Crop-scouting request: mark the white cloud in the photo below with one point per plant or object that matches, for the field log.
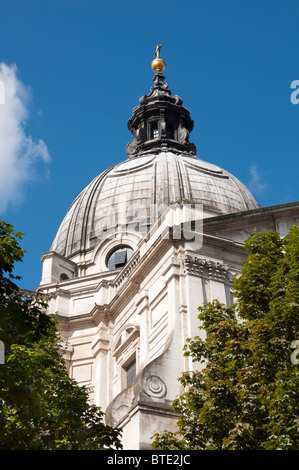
(19, 153)
(256, 183)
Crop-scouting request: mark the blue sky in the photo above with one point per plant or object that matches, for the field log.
(75, 70)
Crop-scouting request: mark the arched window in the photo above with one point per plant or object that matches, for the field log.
(118, 257)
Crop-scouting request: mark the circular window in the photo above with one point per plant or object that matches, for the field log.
(119, 257)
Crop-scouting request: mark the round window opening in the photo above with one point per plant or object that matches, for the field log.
(119, 257)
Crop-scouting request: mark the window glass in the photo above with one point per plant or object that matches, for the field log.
(131, 372)
(119, 257)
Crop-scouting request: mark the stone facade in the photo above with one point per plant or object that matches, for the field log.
(144, 313)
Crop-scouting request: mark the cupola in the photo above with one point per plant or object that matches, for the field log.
(160, 121)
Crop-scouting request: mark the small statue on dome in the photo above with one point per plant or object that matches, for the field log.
(157, 53)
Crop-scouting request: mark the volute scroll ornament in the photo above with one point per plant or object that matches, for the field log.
(154, 387)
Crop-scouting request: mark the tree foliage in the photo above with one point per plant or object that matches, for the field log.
(245, 395)
(41, 407)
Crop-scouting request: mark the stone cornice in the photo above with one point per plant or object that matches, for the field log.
(51, 254)
(260, 213)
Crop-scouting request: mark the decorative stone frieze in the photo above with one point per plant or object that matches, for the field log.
(205, 268)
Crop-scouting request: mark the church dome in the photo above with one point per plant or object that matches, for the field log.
(161, 178)
(162, 169)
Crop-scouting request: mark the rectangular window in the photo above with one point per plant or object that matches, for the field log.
(131, 372)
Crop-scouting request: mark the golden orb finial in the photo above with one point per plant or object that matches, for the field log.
(158, 63)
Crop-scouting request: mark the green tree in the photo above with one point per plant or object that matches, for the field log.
(41, 407)
(245, 395)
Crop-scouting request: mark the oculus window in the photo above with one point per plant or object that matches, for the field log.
(119, 257)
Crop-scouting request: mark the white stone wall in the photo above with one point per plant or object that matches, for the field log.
(146, 311)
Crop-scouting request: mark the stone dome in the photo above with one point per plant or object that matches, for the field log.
(161, 178)
(162, 169)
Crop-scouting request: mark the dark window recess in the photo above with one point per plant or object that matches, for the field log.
(119, 257)
(169, 132)
(131, 372)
